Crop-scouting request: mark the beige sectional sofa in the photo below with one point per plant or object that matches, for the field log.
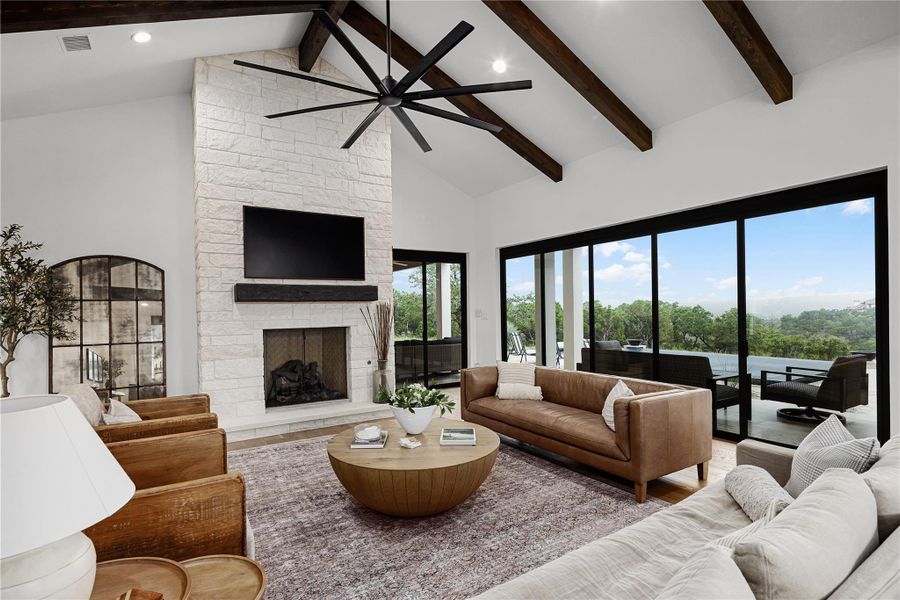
(638, 561)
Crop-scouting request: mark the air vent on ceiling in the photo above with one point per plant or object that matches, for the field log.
(75, 43)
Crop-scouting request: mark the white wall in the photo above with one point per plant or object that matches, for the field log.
(843, 120)
(108, 180)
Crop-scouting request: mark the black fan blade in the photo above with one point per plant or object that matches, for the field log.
(344, 41)
(304, 77)
(446, 114)
(482, 88)
(411, 128)
(318, 108)
(437, 53)
(363, 126)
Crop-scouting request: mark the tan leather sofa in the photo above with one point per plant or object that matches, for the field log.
(663, 428)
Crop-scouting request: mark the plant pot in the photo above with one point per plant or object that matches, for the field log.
(414, 422)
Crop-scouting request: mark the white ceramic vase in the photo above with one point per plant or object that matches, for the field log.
(414, 422)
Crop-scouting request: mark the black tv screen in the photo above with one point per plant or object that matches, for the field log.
(287, 244)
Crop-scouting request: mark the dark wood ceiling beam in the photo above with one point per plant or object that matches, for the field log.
(555, 53)
(751, 42)
(17, 16)
(371, 28)
(316, 35)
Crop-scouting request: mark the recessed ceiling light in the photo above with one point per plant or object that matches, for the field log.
(499, 65)
(141, 37)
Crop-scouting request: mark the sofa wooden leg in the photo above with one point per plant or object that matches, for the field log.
(640, 492)
(703, 470)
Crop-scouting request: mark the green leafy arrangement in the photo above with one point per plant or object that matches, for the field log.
(32, 300)
(416, 395)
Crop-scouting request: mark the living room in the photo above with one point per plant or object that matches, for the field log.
(636, 258)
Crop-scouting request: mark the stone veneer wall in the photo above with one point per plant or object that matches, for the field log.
(294, 163)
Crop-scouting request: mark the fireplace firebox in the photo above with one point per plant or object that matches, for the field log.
(304, 365)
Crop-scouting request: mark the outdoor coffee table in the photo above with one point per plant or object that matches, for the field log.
(414, 482)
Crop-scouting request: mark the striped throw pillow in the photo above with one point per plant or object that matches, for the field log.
(829, 446)
(515, 373)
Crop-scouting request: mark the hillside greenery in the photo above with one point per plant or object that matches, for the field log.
(821, 334)
(408, 305)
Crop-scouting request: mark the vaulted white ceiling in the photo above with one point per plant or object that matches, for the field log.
(666, 60)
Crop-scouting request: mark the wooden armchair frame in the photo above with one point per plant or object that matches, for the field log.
(162, 416)
(186, 504)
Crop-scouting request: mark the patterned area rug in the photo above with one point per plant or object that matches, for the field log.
(316, 541)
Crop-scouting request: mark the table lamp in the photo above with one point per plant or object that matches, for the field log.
(56, 479)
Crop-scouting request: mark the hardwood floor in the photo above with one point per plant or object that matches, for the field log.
(671, 488)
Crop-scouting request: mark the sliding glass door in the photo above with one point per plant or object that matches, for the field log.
(777, 304)
(811, 320)
(429, 317)
(698, 316)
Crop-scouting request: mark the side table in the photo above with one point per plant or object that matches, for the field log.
(225, 577)
(115, 577)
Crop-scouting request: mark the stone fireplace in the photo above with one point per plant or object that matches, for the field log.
(304, 365)
(296, 163)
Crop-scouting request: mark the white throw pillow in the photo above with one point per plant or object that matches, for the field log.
(884, 481)
(620, 390)
(515, 373)
(119, 413)
(519, 391)
(815, 543)
(86, 399)
(829, 446)
(709, 574)
(753, 488)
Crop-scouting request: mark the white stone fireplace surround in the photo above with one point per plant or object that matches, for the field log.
(294, 163)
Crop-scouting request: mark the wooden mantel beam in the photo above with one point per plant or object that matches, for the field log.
(316, 35)
(738, 23)
(371, 28)
(555, 53)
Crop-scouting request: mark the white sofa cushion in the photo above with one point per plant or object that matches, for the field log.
(754, 489)
(519, 391)
(86, 399)
(515, 373)
(119, 413)
(733, 539)
(884, 481)
(620, 390)
(829, 446)
(709, 574)
(815, 543)
(878, 577)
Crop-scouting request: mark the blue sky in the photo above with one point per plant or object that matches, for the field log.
(815, 258)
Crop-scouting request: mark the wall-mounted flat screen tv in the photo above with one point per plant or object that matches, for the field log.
(287, 244)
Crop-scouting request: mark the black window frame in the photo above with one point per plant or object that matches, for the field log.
(872, 184)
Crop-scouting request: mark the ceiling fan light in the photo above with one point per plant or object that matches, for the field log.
(141, 37)
(499, 65)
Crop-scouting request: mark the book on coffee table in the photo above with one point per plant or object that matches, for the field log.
(457, 436)
(377, 444)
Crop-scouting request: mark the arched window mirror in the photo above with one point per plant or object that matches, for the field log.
(117, 340)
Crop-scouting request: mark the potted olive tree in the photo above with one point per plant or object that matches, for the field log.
(32, 300)
(414, 405)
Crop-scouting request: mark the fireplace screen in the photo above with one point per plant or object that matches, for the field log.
(305, 365)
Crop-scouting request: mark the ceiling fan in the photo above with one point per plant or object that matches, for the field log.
(394, 94)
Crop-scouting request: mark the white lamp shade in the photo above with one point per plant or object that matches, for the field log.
(57, 477)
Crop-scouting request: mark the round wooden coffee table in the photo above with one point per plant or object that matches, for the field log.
(422, 481)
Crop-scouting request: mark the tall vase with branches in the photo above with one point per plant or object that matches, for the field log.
(32, 300)
(381, 325)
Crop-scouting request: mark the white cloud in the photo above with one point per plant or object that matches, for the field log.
(725, 283)
(609, 248)
(638, 272)
(523, 287)
(858, 207)
(810, 281)
(666, 265)
(632, 256)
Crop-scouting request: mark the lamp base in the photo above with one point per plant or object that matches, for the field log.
(63, 569)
